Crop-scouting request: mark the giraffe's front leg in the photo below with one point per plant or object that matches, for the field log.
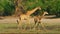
(19, 24)
(28, 24)
(35, 24)
(43, 26)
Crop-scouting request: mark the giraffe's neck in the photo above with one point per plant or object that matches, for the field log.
(40, 17)
(32, 11)
(43, 14)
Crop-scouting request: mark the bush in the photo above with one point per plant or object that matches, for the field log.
(9, 9)
(1, 10)
(6, 7)
(51, 6)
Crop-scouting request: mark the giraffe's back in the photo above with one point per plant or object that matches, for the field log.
(23, 17)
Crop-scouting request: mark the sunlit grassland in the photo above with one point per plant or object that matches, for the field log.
(12, 28)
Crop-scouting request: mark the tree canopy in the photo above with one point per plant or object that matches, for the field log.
(7, 7)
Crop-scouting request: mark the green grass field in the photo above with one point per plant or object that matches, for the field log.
(12, 28)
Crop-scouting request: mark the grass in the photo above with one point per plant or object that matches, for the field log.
(12, 28)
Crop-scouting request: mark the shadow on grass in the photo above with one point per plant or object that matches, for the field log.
(54, 27)
(52, 17)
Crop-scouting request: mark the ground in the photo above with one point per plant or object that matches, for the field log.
(9, 25)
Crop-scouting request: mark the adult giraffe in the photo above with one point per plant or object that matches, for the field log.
(26, 16)
(37, 19)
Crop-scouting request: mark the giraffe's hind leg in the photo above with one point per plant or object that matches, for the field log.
(19, 24)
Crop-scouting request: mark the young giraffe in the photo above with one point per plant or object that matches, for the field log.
(37, 20)
(26, 16)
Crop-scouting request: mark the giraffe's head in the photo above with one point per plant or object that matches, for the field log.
(39, 8)
(45, 12)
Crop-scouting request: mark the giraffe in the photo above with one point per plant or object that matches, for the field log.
(37, 20)
(26, 16)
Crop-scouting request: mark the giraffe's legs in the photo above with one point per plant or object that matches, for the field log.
(28, 23)
(37, 23)
(19, 24)
(43, 26)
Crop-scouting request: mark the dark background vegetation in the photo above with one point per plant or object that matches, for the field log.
(7, 7)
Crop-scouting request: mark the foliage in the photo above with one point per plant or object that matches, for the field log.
(1, 10)
(7, 7)
(51, 6)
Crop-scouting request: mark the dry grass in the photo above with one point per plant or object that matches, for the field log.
(12, 28)
(9, 25)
